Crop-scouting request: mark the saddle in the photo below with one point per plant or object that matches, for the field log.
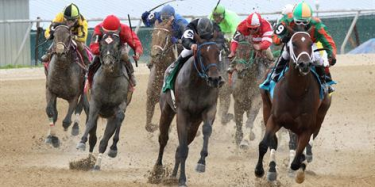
(271, 87)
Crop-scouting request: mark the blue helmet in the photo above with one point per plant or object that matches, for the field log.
(166, 12)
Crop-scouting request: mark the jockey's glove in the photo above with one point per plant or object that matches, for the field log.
(332, 61)
(175, 40)
(145, 15)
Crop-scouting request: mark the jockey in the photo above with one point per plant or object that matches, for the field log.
(302, 16)
(166, 13)
(112, 24)
(72, 18)
(261, 32)
(205, 28)
(227, 21)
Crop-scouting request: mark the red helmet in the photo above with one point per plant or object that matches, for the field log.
(111, 23)
(253, 20)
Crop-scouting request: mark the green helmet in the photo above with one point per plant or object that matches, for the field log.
(302, 11)
(71, 12)
(220, 9)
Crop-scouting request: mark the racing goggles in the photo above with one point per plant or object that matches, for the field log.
(302, 22)
(166, 17)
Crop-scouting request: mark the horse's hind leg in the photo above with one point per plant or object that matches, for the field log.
(91, 122)
(299, 163)
(68, 118)
(52, 116)
(93, 138)
(113, 149)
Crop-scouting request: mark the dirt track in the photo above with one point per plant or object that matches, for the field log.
(344, 151)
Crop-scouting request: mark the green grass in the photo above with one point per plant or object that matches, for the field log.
(9, 66)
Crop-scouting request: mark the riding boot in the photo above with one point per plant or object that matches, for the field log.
(130, 68)
(322, 76)
(329, 79)
(280, 65)
(46, 57)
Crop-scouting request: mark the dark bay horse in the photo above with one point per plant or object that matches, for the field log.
(65, 79)
(296, 105)
(251, 67)
(196, 93)
(162, 55)
(108, 97)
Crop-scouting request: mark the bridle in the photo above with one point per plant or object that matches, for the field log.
(167, 45)
(66, 46)
(203, 69)
(291, 50)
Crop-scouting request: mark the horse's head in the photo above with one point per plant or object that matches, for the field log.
(62, 40)
(161, 40)
(206, 61)
(301, 51)
(244, 56)
(110, 51)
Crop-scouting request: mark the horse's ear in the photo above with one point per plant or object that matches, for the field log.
(197, 38)
(156, 23)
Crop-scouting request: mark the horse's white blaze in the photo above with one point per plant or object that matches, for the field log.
(208, 49)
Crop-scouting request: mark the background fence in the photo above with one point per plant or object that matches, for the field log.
(338, 26)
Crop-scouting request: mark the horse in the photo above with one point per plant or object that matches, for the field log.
(251, 66)
(298, 104)
(162, 55)
(227, 89)
(108, 97)
(65, 77)
(196, 92)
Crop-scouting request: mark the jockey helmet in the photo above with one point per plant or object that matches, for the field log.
(287, 9)
(302, 14)
(218, 13)
(111, 23)
(205, 28)
(253, 20)
(167, 12)
(71, 12)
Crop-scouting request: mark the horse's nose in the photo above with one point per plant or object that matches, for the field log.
(216, 82)
(60, 49)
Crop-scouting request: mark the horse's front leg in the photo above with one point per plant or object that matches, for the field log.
(271, 129)
(82, 104)
(52, 117)
(299, 162)
(238, 112)
(91, 123)
(113, 149)
(68, 118)
(224, 97)
(152, 99)
(252, 113)
(182, 123)
(112, 125)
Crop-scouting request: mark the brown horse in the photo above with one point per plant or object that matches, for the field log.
(296, 105)
(65, 79)
(251, 66)
(162, 55)
(196, 93)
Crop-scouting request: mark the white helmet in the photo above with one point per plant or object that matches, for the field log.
(287, 9)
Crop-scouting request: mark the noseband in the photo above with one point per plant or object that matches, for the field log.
(291, 50)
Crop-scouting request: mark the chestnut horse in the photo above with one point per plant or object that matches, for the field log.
(162, 55)
(298, 104)
(196, 93)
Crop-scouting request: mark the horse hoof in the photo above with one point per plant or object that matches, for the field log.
(309, 158)
(244, 144)
(96, 168)
(182, 185)
(112, 153)
(66, 125)
(252, 136)
(53, 140)
(201, 168)
(151, 127)
(300, 177)
(75, 129)
(259, 172)
(271, 176)
(81, 146)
